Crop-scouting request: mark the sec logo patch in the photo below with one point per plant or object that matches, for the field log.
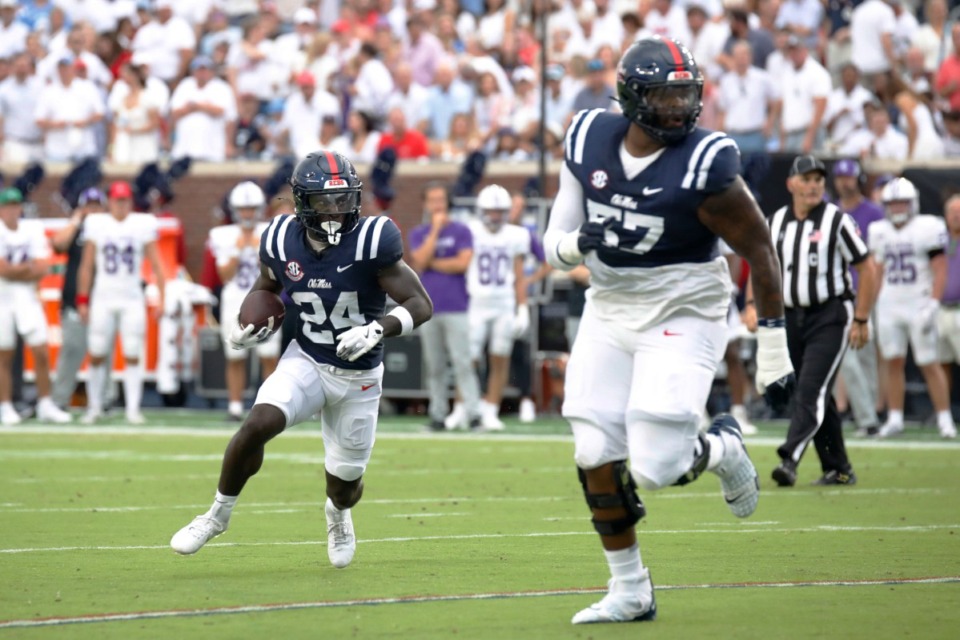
(294, 272)
(599, 179)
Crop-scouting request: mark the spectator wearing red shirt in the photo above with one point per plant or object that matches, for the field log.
(408, 142)
(948, 77)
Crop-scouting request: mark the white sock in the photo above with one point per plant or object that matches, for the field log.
(626, 568)
(944, 418)
(235, 408)
(132, 386)
(895, 416)
(718, 448)
(222, 507)
(45, 402)
(96, 378)
(7, 406)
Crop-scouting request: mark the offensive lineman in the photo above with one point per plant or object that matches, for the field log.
(235, 247)
(498, 309)
(116, 244)
(910, 249)
(338, 269)
(642, 199)
(24, 258)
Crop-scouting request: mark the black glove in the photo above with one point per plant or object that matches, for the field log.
(778, 393)
(592, 234)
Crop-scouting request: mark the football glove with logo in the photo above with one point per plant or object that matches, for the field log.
(245, 337)
(357, 341)
(775, 377)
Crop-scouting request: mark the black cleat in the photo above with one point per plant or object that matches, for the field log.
(475, 425)
(436, 426)
(785, 475)
(836, 477)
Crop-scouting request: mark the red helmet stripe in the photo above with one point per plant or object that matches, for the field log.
(334, 168)
(675, 52)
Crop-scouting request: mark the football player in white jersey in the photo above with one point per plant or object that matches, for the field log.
(643, 198)
(498, 310)
(910, 249)
(114, 300)
(236, 248)
(24, 258)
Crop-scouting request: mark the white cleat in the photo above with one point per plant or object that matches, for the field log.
(528, 411)
(9, 417)
(135, 417)
(619, 607)
(738, 476)
(489, 419)
(91, 417)
(948, 431)
(49, 412)
(341, 541)
(192, 537)
(891, 429)
(457, 418)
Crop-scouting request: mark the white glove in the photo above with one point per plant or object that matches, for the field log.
(930, 314)
(245, 337)
(521, 321)
(355, 342)
(774, 370)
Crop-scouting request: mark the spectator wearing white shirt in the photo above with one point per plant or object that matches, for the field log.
(303, 114)
(249, 66)
(169, 41)
(880, 140)
(291, 47)
(373, 83)
(13, 33)
(19, 95)
(747, 102)
(932, 37)
(802, 18)
(804, 87)
(97, 71)
(410, 96)
(871, 36)
(203, 110)
(903, 32)
(844, 113)
(707, 39)
(667, 18)
(360, 142)
(67, 113)
(135, 129)
(157, 90)
(100, 14)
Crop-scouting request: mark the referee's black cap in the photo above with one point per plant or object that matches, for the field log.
(806, 164)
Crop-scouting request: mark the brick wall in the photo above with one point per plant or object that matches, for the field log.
(200, 192)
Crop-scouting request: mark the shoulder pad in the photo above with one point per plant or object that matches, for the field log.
(575, 141)
(272, 242)
(713, 163)
(378, 240)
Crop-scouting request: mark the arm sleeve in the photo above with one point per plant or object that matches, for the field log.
(566, 216)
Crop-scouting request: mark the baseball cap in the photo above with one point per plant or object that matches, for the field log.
(806, 164)
(8, 4)
(595, 65)
(304, 16)
(555, 72)
(89, 196)
(847, 167)
(120, 190)
(340, 26)
(793, 41)
(204, 62)
(305, 79)
(10, 195)
(524, 74)
(66, 59)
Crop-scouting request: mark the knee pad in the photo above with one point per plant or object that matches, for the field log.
(699, 463)
(589, 451)
(346, 464)
(625, 497)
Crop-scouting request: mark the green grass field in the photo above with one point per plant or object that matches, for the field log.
(461, 536)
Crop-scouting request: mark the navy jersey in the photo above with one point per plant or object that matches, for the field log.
(656, 211)
(336, 289)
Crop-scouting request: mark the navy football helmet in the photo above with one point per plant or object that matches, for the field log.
(326, 195)
(660, 88)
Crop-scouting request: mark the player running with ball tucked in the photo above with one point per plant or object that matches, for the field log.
(338, 269)
(642, 200)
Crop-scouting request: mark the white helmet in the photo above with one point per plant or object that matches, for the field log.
(247, 195)
(493, 198)
(900, 190)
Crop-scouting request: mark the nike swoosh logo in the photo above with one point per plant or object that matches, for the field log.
(364, 387)
(647, 191)
(343, 268)
(667, 332)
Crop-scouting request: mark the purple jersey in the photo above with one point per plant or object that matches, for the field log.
(863, 214)
(447, 290)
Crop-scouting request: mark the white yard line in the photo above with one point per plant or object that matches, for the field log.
(497, 536)
(418, 599)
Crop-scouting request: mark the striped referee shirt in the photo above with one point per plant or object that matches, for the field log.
(815, 254)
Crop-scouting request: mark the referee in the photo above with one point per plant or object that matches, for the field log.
(816, 244)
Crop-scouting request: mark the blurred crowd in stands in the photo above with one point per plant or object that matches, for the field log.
(134, 81)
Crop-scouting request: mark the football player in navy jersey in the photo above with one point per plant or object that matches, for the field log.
(338, 269)
(643, 198)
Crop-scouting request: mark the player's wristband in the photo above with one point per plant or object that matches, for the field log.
(772, 323)
(82, 299)
(749, 303)
(861, 320)
(406, 320)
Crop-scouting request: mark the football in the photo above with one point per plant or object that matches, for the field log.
(262, 309)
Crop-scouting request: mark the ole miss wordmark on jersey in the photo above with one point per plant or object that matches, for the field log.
(336, 289)
(655, 213)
